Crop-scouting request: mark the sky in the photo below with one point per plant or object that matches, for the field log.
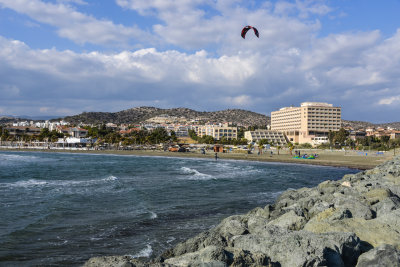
(65, 57)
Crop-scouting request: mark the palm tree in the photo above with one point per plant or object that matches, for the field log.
(290, 146)
(278, 148)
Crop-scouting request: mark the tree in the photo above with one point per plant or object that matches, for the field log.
(159, 135)
(278, 148)
(174, 138)
(290, 146)
(207, 139)
(4, 135)
(250, 146)
(350, 142)
(331, 138)
(224, 140)
(193, 135)
(341, 136)
(240, 133)
(263, 142)
(385, 141)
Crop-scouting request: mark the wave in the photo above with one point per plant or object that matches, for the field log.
(110, 178)
(146, 252)
(267, 195)
(153, 215)
(13, 159)
(27, 183)
(195, 174)
(58, 183)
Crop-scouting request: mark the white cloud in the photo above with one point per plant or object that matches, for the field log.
(76, 26)
(288, 64)
(241, 101)
(189, 25)
(79, 2)
(390, 100)
(303, 8)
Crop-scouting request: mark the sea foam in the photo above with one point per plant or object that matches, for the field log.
(146, 252)
(195, 174)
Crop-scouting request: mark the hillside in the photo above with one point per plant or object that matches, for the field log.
(363, 124)
(140, 114)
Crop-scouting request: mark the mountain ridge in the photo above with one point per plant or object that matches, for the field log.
(137, 115)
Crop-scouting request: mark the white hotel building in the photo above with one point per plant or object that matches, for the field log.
(309, 123)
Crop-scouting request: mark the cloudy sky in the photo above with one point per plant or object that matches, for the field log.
(63, 57)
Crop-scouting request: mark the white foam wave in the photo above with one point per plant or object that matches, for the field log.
(146, 252)
(27, 183)
(171, 239)
(110, 178)
(57, 183)
(15, 157)
(153, 215)
(267, 195)
(195, 174)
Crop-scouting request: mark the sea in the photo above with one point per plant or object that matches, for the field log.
(60, 209)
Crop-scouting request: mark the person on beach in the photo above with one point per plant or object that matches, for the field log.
(216, 155)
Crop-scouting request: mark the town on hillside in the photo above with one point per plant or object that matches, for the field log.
(310, 125)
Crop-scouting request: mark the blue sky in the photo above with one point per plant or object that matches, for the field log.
(63, 57)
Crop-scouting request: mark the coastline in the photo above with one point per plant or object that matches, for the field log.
(350, 222)
(351, 160)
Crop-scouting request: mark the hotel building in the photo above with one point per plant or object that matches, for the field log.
(309, 123)
(217, 131)
(274, 137)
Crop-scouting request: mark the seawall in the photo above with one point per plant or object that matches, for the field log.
(354, 221)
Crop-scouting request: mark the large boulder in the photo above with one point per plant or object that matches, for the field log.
(302, 248)
(382, 256)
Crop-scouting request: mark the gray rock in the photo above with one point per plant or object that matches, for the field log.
(115, 261)
(209, 256)
(302, 248)
(382, 256)
(386, 205)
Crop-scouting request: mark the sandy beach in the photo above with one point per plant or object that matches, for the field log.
(336, 158)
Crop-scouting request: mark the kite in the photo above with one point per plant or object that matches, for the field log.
(245, 29)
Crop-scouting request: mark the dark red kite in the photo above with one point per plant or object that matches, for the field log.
(245, 29)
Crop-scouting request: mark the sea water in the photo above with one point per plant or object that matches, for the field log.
(63, 208)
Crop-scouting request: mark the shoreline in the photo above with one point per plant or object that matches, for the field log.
(325, 158)
(349, 222)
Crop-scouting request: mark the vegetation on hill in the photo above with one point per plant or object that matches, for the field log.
(140, 114)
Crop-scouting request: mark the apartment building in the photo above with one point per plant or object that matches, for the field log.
(73, 131)
(217, 131)
(309, 123)
(22, 130)
(274, 137)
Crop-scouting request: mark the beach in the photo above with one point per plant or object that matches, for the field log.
(361, 160)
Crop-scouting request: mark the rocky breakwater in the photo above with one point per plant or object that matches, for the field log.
(351, 222)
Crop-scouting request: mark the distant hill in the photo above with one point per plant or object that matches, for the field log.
(140, 114)
(9, 119)
(363, 124)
